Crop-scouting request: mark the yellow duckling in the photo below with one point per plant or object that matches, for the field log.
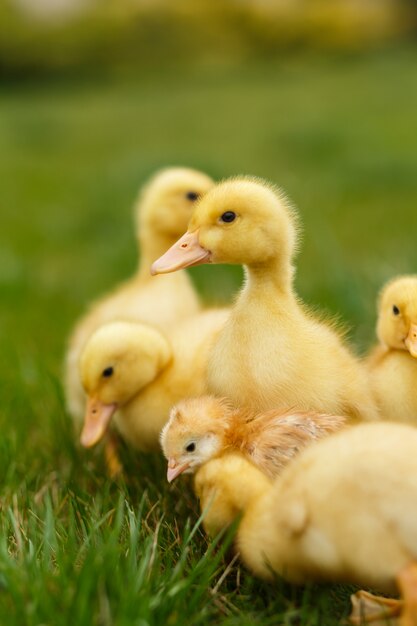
(134, 372)
(345, 509)
(393, 364)
(201, 428)
(162, 214)
(273, 353)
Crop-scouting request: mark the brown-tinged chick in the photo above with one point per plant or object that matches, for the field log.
(200, 429)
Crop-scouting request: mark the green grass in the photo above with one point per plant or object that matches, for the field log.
(340, 137)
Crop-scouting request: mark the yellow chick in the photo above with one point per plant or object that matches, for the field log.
(273, 353)
(393, 364)
(344, 510)
(200, 429)
(134, 372)
(162, 213)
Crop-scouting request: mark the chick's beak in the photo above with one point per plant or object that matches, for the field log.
(186, 252)
(411, 340)
(175, 470)
(96, 420)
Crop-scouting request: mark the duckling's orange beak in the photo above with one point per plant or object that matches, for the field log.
(175, 470)
(96, 420)
(411, 340)
(186, 252)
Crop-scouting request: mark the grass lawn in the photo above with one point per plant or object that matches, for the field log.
(340, 137)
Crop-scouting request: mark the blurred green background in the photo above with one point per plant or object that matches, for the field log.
(319, 97)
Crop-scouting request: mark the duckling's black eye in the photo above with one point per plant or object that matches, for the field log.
(190, 447)
(192, 195)
(107, 372)
(228, 216)
(395, 310)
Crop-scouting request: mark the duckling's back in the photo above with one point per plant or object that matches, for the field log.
(344, 509)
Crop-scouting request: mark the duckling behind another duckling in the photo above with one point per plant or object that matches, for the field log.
(393, 364)
(162, 213)
(202, 428)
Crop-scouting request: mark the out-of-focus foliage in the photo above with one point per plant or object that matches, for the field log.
(144, 33)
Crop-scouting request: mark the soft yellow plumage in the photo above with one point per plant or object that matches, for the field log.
(345, 509)
(138, 373)
(161, 214)
(393, 364)
(273, 353)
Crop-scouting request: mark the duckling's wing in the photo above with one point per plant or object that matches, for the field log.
(276, 438)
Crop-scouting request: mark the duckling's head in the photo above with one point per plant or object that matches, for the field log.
(397, 314)
(168, 200)
(194, 434)
(241, 221)
(118, 361)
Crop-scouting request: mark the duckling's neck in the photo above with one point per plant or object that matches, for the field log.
(151, 246)
(273, 277)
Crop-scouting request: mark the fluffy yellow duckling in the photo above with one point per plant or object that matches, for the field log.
(345, 509)
(132, 371)
(393, 364)
(273, 353)
(161, 214)
(200, 429)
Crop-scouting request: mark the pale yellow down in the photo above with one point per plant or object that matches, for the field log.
(392, 367)
(345, 509)
(161, 214)
(152, 371)
(273, 352)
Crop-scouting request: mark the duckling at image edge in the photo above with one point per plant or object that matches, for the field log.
(200, 429)
(393, 364)
(344, 510)
(273, 353)
(134, 372)
(161, 213)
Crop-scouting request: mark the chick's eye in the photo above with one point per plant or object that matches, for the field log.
(395, 310)
(192, 195)
(107, 372)
(190, 447)
(228, 216)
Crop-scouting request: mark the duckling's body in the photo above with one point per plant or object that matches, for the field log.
(273, 353)
(277, 355)
(345, 509)
(393, 376)
(151, 372)
(162, 213)
(393, 364)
